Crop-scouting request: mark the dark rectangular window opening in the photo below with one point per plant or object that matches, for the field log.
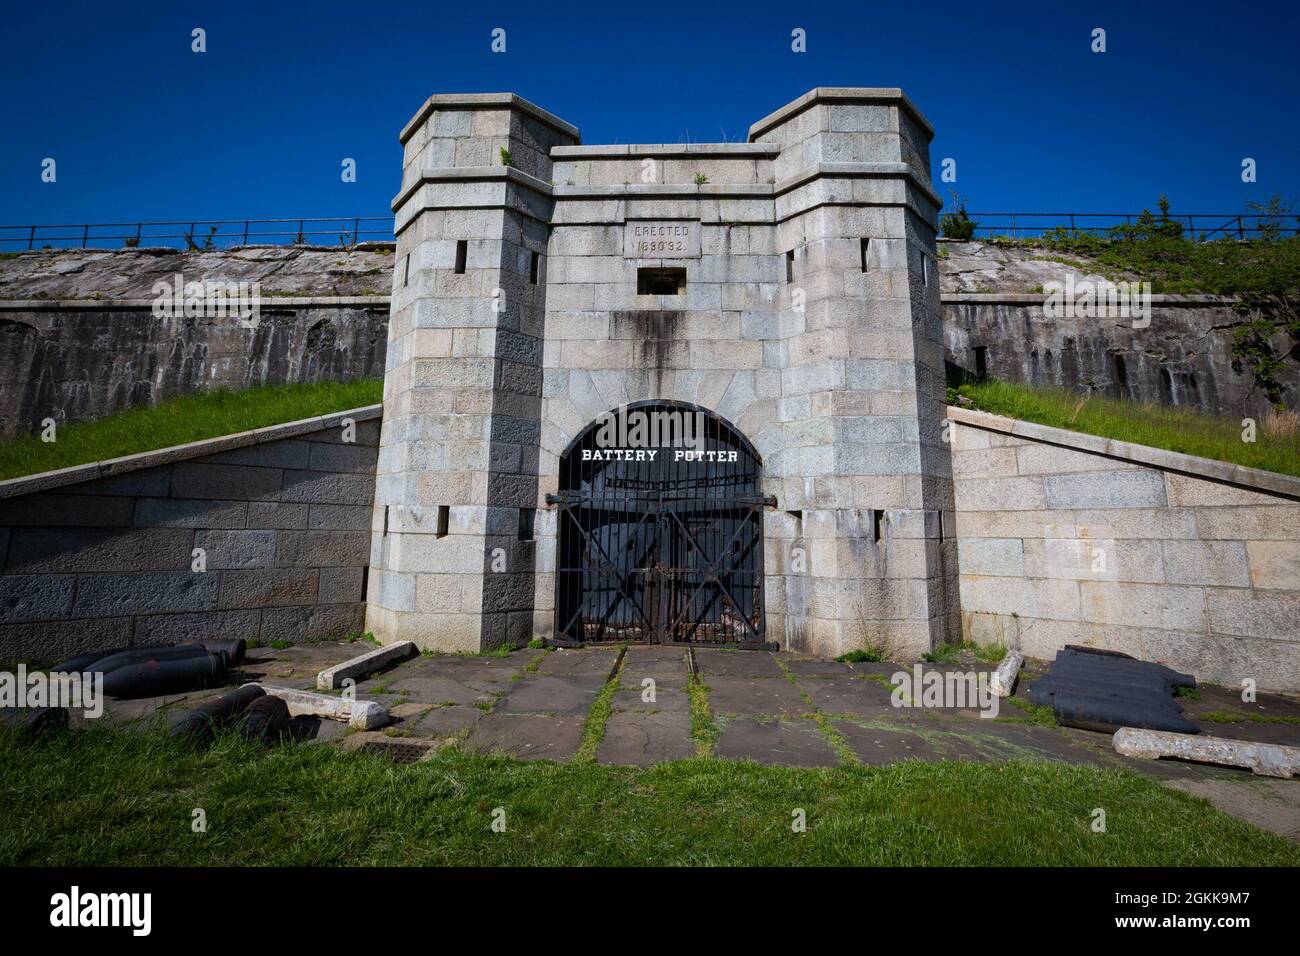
(385, 534)
(981, 362)
(925, 269)
(406, 270)
(789, 266)
(532, 268)
(527, 519)
(877, 523)
(660, 281)
(365, 582)
(462, 250)
(865, 251)
(444, 520)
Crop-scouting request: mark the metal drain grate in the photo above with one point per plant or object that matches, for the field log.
(399, 751)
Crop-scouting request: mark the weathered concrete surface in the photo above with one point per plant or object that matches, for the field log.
(363, 664)
(1268, 760)
(792, 743)
(1003, 681)
(417, 692)
(363, 714)
(1066, 538)
(1183, 357)
(650, 718)
(267, 541)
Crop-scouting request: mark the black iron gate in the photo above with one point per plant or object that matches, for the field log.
(663, 543)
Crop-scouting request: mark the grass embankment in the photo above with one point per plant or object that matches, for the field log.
(109, 797)
(182, 420)
(1192, 433)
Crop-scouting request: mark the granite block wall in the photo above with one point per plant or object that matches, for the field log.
(278, 520)
(1071, 539)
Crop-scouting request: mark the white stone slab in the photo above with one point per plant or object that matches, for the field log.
(1267, 760)
(358, 667)
(364, 714)
(1003, 681)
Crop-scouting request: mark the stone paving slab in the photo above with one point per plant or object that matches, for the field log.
(755, 697)
(452, 721)
(641, 738)
(527, 736)
(665, 665)
(666, 698)
(1273, 805)
(813, 668)
(793, 743)
(541, 694)
(724, 663)
(589, 664)
(878, 747)
(436, 690)
(848, 695)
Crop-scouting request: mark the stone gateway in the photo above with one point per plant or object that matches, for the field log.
(784, 288)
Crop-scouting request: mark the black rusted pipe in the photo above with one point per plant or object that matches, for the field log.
(234, 648)
(139, 655)
(265, 721)
(200, 723)
(75, 665)
(154, 677)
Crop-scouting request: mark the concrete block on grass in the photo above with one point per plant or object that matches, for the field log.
(358, 667)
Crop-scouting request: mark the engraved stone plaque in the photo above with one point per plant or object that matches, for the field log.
(661, 239)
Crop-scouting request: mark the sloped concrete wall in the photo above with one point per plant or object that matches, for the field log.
(103, 555)
(1066, 538)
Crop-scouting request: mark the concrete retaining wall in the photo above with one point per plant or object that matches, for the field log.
(103, 555)
(1066, 538)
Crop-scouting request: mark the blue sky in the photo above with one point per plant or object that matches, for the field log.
(142, 128)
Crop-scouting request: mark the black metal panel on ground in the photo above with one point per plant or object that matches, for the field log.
(1104, 690)
(664, 547)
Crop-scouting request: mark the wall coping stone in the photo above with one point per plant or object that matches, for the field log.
(861, 170)
(841, 94)
(705, 191)
(377, 301)
(295, 301)
(1038, 298)
(744, 150)
(27, 484)
(1209, 469)
(470, 174)
(481, 101)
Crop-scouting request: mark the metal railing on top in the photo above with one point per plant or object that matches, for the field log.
(201, 234)
(1198, 226)
(345, 231)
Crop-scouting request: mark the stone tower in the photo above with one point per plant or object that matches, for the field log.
(801, 308)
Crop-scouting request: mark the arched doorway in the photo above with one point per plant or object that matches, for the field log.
(660, 530)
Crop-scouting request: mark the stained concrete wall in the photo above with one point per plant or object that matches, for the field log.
(102, 555)
(1066, 538)
(78, 338)
(1182, 358)
(832, 366)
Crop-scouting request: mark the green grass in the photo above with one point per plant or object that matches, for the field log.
(1176, 429)
(110, 797)
(860, 656)
(1238, 716)
(182, 420)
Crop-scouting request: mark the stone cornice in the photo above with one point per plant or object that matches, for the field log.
(1210, 469)
(471, 174)
(165, 456)
(484, 101)
(841, 94)
(714, 150)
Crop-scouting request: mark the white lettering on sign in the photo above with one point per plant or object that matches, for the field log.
(619, 454)
(661, 239)
(688, 455)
